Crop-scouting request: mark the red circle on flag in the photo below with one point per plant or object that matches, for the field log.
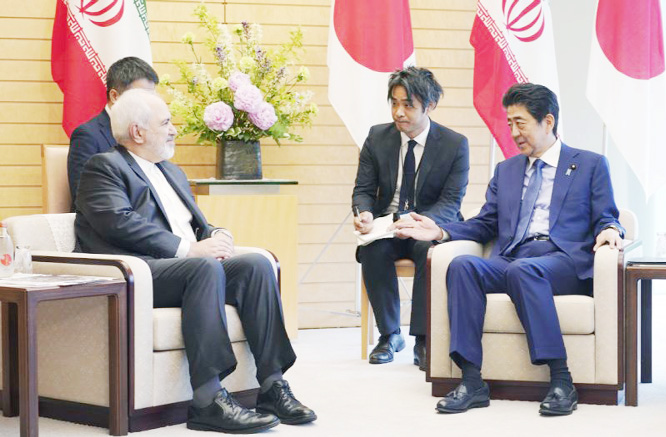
(376, 33)
(631, 36)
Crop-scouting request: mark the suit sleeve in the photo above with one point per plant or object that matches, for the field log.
(104, 202)
(447, 207)
(483, 227)
(365, 188)
(604, 212)
(82, 145)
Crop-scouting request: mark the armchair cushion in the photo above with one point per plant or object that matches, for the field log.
(576, 315)
(168, 333)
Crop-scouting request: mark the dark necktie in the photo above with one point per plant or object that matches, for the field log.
(406, 201)
(527, 206)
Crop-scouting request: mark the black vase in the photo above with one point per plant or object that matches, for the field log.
(238, 160)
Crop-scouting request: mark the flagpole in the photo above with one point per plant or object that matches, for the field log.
(491, 166)
(604, 141)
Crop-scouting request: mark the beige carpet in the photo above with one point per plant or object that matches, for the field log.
(353, 398)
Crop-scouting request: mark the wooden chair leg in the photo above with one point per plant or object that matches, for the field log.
(365, 318)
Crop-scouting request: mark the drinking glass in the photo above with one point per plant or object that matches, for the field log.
(23, 259)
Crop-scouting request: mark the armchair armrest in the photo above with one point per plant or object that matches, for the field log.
(439, 258)
(608, 285)
(140, 305)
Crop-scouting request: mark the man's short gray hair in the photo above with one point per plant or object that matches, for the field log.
(132, 107)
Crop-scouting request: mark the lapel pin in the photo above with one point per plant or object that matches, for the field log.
(571, 168)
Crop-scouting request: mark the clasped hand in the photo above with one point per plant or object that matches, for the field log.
(220, 246)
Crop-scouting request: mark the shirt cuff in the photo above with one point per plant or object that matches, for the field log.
(183, 248)
(445, 237)
(617, 229)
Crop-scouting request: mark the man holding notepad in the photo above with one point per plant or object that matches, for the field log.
(411, 165)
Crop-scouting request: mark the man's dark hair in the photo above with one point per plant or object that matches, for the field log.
(125, 71)
(538, 100)
(419, 83)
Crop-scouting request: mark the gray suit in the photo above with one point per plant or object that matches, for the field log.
(119, 212)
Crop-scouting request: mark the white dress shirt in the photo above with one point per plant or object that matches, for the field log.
(178, 215)
(539, 224)
(418, 154)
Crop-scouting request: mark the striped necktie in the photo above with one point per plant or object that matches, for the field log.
(527, 206)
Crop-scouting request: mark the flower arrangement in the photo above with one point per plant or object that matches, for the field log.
(253, 95)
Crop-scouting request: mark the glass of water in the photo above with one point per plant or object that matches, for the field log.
(22, 260)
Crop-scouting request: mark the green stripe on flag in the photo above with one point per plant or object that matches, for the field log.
(143, 13)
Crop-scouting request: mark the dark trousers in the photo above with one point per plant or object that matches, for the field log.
(378, 265)
(201, 287)
(537, 272)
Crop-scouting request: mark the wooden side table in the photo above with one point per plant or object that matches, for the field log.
(259, 213)
(643, 270)
(19, 349)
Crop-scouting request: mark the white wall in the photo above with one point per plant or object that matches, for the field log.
(573, 23)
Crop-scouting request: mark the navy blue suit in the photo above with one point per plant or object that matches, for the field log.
(581, 206)
(90, 138)
(440, 187)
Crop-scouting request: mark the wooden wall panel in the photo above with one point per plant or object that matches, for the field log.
(324, 164)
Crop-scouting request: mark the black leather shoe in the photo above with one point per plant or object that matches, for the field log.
(279, 400)
(225, 414)
(420, 356)
(559, 401)
(387, 346)
(461, 399)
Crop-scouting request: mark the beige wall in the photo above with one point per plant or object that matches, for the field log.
(324, 164)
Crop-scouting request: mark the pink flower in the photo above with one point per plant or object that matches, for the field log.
(247, 98)
(218, 116)
(264, 117)
(238, 79)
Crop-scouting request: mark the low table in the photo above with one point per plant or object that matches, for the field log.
(643, 270)
(19, 349)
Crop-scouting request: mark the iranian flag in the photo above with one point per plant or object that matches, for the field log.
(513, 43)
(627, 86)
(89, 36)
(367, 41)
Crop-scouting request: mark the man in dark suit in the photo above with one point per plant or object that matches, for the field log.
(413, 164)
(133, 201)
(548, 209)
(94, 136)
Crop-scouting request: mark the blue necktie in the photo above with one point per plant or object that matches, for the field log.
(527, 206)
(406, 201)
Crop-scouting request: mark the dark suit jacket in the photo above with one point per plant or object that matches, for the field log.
(442, 177)
(93, 136)
(581, 206)
(119, 211)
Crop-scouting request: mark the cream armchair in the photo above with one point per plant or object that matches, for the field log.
(591, 326)
(72, 337)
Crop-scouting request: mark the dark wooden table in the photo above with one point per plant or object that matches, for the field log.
(19, 350)
(643, 270)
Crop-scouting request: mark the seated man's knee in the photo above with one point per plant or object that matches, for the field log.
(258, 263)
(205, 266)
(374, 250)
(463, 263)
(519, 269)
(460, 267)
